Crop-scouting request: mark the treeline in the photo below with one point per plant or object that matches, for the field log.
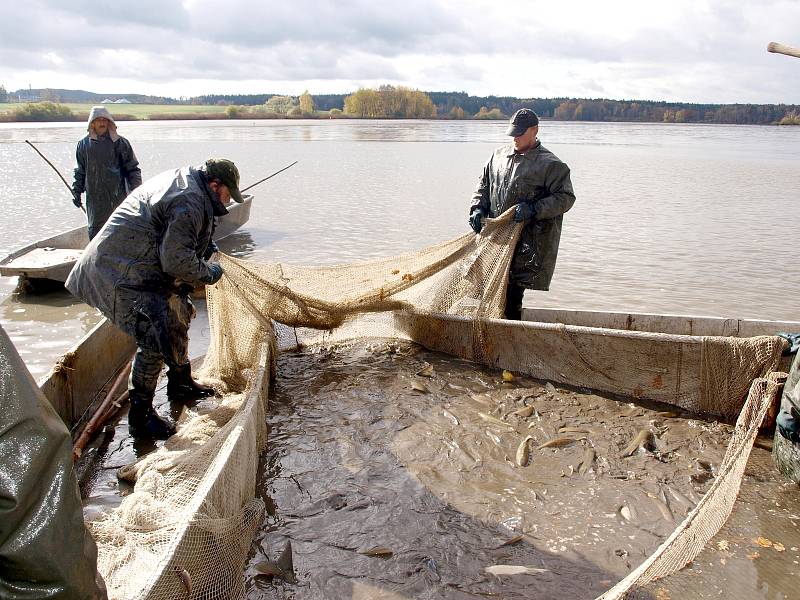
(400, 102)
(387, 102)
(648, 111)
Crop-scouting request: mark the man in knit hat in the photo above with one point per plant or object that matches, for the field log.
(107, 169)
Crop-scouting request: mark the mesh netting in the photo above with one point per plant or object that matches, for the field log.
(192, 516)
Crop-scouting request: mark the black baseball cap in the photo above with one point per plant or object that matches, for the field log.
(226, 172)
(522, 120)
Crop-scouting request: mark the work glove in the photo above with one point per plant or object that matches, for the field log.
(76, 199)
(524, 212)
(476, 220)
(214, 275)
(210, 250)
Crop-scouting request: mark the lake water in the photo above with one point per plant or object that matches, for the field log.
(682, 219)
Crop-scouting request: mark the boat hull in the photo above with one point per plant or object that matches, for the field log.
(52, 259)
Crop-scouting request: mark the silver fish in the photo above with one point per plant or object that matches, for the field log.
(494, 420)
(559, 442)
(643, 439)
(186, 580)
(524, 412)
(450, 416)
(587, 462)
(523, 452)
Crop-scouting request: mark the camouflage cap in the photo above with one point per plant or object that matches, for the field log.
(227, 173)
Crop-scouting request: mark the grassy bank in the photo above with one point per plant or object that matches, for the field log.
(131, 112)
(46, 112)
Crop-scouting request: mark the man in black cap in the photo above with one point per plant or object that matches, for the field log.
(531, 177)
(140, 269)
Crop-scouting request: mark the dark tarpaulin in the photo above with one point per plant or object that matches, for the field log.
(45, 549)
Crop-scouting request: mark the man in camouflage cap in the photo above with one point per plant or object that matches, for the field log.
(526, 174)
(139, 270)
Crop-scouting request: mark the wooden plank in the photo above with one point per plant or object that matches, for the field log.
(671, 324)
(79, 376)
(656, 366)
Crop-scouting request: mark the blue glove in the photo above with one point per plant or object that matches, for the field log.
(76, 199)
(524, 212)
(214, 275)
(476, 220)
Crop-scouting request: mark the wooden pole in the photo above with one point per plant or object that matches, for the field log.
(100, 416)
(783, 49)
(269, 177)
(52, 166)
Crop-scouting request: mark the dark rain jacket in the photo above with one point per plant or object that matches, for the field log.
(156, 237)
(540, 178)
(107, 171)
(45, 549)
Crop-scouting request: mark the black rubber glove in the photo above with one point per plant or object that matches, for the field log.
(216, 273)
(524, 212)
(210, 250)
(76, 200)
(476, 220)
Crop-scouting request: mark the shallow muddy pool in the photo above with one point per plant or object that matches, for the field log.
(395, 472)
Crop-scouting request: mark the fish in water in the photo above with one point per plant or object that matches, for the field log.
(513, 570)
(426, 370)
(283, 567)
(512, 541)
(587, 462)
(628, 512)
(523, 452)
(660, 501)
(493, 420)
(559, 442)
(450, 416)
(643, 439)
(186, 580)
(524, 412)
(378, 551)
(688, 504)
(573, 430)
(419, 386)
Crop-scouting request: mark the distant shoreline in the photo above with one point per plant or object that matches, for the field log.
(73, 112)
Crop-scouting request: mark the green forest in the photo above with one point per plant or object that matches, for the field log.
(385, 102)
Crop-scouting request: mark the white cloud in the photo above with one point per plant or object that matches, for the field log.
(701, 50)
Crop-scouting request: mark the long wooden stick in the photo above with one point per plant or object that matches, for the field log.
(100, 415)
(783, 49)
(52, 166)
(269, 177)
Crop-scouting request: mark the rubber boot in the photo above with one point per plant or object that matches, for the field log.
(143, 420)
(182, 388)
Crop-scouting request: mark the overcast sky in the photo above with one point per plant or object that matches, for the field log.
(682, 50)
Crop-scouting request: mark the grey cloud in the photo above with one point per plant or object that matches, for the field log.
(369, 26)
(161, 14)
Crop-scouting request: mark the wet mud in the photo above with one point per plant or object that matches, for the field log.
(395, 472)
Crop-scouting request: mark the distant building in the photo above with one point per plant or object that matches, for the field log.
(122, 101)
(107, 101)
(27, 96)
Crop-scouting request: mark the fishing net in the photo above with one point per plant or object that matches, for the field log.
(186, 529)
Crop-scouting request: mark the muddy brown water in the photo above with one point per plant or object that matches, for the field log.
(359, 462)
(362, 460)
